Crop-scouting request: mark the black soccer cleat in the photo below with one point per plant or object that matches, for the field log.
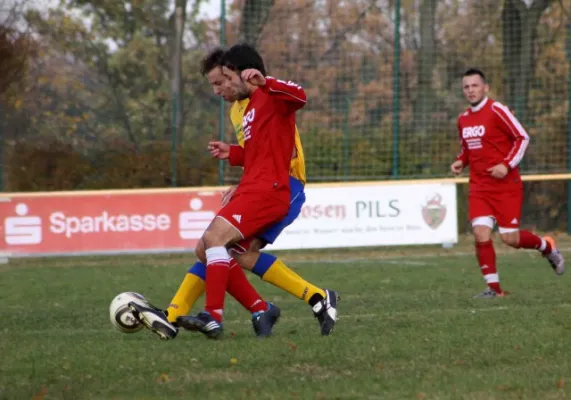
(155, 320)
(326, 311)
(264, 321)
(202, 322)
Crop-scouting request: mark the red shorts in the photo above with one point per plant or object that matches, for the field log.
(251, 213)
(504, 207)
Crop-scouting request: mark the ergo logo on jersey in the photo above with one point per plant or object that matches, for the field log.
(473, 131)
(246, 123)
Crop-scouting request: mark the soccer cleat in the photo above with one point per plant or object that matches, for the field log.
(555, 258)
(488, 294)
(326, 311)
(264, 321)
(202, 322)
(155, 320)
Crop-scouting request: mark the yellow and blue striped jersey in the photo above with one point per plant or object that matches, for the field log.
(297, 164)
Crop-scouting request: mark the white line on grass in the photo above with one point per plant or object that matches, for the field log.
(361, 260)
(408, 259)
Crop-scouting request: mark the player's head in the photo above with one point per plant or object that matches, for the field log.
(211, 68)
(474, 86)
(237, 59)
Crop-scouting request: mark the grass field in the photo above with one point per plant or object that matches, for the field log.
(408, 329)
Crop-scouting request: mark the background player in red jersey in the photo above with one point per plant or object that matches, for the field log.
(263, 194)
(493, 144)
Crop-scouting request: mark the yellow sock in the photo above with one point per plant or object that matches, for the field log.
(191, 288)
(279, 275)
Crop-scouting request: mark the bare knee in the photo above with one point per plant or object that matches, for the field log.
(511, 238)
(220, 233)
(212, 239)
(256, 245)
(247, 260)
(482, 233)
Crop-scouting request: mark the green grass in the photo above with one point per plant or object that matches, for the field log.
(408, 329)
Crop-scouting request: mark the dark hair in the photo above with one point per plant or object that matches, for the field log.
(211, 61)
(243, 56)
(475, 71)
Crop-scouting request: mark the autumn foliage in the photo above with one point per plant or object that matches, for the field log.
(89, 104)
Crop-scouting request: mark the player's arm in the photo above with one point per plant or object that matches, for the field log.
(462, 159)
(511, 127)
(291, 96)
(463, 155)
(223, 151)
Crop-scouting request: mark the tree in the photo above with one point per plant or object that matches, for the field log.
(15, 47)
(255, 13)
(101, 86)
(520, 21)
(424, 103)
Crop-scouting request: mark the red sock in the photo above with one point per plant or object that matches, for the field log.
(217, 272)
(487, 260)
(528, 240)
(243, 291)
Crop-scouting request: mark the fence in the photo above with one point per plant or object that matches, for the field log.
(99, 102)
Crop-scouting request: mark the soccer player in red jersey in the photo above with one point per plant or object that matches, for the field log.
(493, 143)
(262, 197)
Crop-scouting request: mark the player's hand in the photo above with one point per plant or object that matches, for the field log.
(227, 195)
(219, 150)
(457, 167)
(498, 171)
(253, 77)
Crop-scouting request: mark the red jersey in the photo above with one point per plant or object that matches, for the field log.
(490, 135)
(269, 137)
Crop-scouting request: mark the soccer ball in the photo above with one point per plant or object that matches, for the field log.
(121, 315)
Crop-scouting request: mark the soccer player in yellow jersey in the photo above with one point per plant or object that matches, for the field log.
(266, 266)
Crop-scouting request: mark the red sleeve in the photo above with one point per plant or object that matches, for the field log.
(236, 157)
(463, 155)
(289, 95)
(511, 126)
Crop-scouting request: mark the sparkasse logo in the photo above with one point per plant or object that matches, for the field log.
(24, 229)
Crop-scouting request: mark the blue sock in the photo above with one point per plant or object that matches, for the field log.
(264, 263)
(198, 269)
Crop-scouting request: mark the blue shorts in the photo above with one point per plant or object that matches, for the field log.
(296, 202)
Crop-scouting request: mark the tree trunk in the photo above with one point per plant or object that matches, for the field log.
(177, 22)
(254, 16)
(426, 64)
(519, 23)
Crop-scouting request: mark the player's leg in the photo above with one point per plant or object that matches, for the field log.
(243, 216)
(509, 217)
(214, 240)
(481, 215)
(190, 289)
(264, 314)
(164, 322)
(273, 270)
